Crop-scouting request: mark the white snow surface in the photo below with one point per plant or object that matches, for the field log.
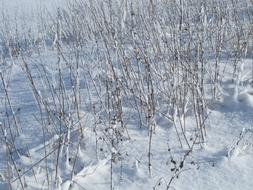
(25, 6)
(219, 164)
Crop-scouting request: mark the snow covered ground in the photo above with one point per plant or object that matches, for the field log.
(218, 164)
(26, 6)
(223, 162)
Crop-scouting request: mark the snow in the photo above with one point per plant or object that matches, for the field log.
(26, 6)
(223, 162)
(213, 168)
